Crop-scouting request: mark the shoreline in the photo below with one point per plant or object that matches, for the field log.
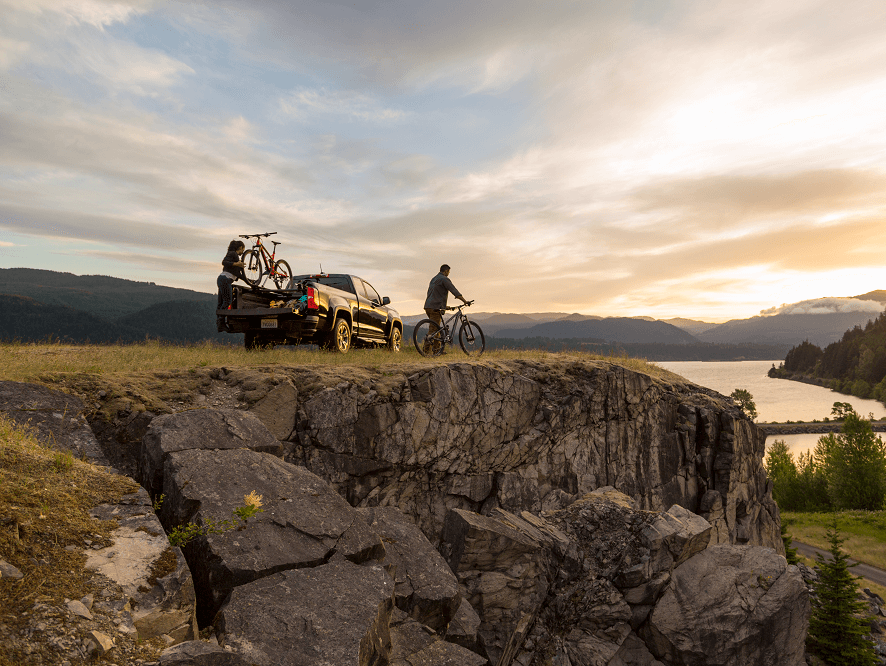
(810, 428)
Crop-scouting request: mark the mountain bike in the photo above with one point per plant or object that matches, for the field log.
(259, 264)
(430, 339)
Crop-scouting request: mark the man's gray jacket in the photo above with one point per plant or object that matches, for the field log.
(438, 292)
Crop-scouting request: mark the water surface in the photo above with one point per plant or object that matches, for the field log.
(777, 400)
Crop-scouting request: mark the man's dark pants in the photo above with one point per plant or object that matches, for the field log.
(436, 317)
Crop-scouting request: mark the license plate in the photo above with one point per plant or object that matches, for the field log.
(269, 323)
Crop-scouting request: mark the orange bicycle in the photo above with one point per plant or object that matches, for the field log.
(259, 264)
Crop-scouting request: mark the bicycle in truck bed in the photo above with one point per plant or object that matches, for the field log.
(259, 264)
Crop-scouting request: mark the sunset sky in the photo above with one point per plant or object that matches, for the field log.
(700, 159)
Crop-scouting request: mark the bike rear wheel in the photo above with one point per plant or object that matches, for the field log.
(429, 338)
(471, 338)
(252, 271)
(282, 274)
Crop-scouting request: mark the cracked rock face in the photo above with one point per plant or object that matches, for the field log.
(604, 583)
(527, 436)
(303, 522)
(59, 419)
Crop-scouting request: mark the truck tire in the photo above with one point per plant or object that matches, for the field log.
(395, 339)
(339, 339)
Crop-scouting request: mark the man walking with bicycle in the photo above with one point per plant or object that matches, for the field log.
(438, 295)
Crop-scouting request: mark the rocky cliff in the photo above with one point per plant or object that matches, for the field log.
(524, 436)
(490, 513)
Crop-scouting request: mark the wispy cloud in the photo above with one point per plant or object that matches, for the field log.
(308, 104)
(608, 157)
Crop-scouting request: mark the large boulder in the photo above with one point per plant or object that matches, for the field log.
(504, 566)
(58, 419)
(153, 576)
(303, 522)
(276, 410)
(338, 614)
(731, 605)
(414, 644)
(207, 429)
(426, 589)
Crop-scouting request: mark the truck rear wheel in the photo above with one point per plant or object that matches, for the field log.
(339, 339)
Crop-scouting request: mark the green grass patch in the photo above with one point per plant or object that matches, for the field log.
(864, 531)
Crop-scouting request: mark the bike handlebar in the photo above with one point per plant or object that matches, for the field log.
(272, 233)
(459, 307)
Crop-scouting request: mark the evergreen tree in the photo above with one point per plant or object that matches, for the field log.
(781, 469)
(854, 464)
(789, 553)
(746, 401)
(836, 634)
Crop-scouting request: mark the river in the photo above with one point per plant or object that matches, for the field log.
(777, 400)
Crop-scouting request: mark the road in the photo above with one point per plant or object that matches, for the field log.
(873, 574)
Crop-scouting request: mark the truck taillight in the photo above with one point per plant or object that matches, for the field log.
(312, 299)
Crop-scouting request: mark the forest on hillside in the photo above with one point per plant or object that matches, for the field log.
(854, 365)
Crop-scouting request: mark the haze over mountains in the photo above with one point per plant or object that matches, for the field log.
(39, 304)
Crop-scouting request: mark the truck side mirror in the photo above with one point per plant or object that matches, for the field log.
(385, 300)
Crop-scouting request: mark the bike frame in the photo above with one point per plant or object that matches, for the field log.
(266, 257)
(447, 324)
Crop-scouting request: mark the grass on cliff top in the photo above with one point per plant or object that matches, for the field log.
(33, 361)
(45, 499)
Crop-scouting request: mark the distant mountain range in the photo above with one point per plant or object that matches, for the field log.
(620, 329)
(39, 305)
(782, 330)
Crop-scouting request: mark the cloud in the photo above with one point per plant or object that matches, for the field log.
(66, 225)
(306, 104)
(154, 262)
(71, 37)
(825, 306)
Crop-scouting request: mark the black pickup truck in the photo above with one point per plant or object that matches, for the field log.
(335, 311)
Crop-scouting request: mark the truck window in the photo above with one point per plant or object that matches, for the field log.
(336, 281)
(371, 293)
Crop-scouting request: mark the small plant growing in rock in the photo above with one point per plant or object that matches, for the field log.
(183, 534)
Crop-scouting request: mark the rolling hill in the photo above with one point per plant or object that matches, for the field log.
(100, 295)
(819, 329)
(609, 329)
(40, 305)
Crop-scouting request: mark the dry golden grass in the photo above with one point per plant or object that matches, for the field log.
(35, 361)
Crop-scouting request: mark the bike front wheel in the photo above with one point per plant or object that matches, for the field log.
(429, 338)
(282, 275)
(471, 338)
(252, 271)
